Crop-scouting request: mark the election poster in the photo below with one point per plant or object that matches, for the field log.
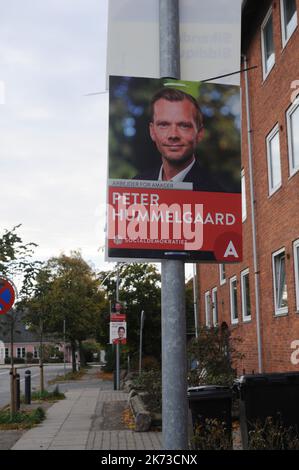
(118, 332)
(174, 182)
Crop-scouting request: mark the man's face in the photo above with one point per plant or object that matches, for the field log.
(121, 333)
(174, 130)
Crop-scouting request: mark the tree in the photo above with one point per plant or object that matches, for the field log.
(16, 260)
(68, 290)
(38, 312)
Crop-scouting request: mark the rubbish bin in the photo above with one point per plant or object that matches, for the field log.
(265, 395)
(212, 402)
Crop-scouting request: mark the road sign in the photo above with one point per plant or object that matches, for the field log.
(7, 295)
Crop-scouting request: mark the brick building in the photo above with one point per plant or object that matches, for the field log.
(259, 298)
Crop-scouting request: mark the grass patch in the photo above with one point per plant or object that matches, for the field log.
(21, 419)
(69, 376)
(47, 396)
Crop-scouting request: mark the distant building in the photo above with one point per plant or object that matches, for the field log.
(266, 284)
(26, 341)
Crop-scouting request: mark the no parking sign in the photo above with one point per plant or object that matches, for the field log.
(7, 295)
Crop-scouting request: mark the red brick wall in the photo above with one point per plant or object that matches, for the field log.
(277, 217)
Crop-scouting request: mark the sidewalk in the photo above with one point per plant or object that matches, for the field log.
(89, 418)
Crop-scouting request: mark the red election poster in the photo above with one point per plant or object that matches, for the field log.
(118, 332)
(174, 171)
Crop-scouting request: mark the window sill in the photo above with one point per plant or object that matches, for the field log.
(266, 74)
(286, 40)
(247, 320)
(293, 173)
(274, 191)
(281, 314)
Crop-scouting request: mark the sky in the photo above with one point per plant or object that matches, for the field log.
(54, 138)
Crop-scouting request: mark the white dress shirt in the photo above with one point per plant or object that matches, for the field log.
(179, 178)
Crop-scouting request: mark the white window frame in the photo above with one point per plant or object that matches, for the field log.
(294, 22)
(222, 276)
(294, 107)
(265, 71)
(283, 310)
(243, 190)
(22, 352)
(245, 317)
(215, 307)
(269, 139)
(208, 309)
(296, 268)
(233, 310)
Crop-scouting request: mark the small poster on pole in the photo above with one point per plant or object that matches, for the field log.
(118, 332)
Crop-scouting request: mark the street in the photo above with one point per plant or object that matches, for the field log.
(50, 371)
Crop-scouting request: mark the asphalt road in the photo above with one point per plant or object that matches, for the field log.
(50, 371)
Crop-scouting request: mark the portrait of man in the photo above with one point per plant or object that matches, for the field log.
(176, 128)
(175, 131)
(121, 339)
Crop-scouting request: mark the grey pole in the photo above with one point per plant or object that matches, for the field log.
(174, 360)
(195, 301)
(64, 365)
(117, 344)
(140, 340)
(253, 224)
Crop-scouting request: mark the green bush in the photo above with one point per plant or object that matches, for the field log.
(150, 382)
(110, 360)
(211, 434)
(16, 360)
(273, 435)
(150, 363)
(22, 419)
(48, 396)
(214, 352)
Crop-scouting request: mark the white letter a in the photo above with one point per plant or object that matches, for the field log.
(231, 251)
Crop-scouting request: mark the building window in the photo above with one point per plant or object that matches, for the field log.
(293, 137)
(208, 309)
(246, 306)
(296, 262)
(279, 283)
(244, 209)
(268, 54)
(288, 19)
(222, 274)
(214, 306)
(273, 157)
(233, 300)
(21, 353)
(6, 353)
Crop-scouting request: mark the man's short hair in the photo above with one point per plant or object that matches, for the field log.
(172, 94)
